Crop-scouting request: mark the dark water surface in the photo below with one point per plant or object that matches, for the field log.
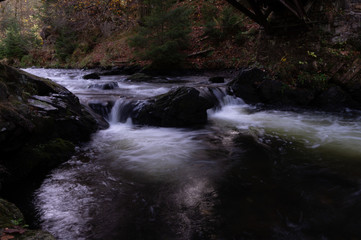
(248, 174)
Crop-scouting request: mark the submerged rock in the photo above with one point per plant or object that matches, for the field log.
(105, 86)
(181, 107)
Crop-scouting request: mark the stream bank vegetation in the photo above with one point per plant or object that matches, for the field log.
(203, 34)
(304, 47)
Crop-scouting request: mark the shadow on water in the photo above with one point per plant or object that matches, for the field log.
(279, 192)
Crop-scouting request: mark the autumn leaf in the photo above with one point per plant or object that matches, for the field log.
(16, 229)
(6, 237)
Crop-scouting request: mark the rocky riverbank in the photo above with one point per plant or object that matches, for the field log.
(257, 86)
(41, 122)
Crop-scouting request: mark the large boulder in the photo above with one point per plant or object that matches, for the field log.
(91, 76)
(40, 122)
(336, 98)
(277, 93)
(254, 86)
(245, 85)
(122, 70)
(181, 107)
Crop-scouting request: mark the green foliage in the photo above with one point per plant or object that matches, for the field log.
(163, 36)
(220, 27)
(209, 11)
(65, 43)
(15, 44)
(318, 81)
(26, 60)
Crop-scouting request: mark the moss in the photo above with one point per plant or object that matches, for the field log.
(39, 159)
(10, 215)
(54, 150)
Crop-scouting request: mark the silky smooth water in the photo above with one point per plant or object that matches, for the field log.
(249, 173)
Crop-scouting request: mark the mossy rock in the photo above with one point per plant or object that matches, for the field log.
(140, 77)
(12, 218)
(10, 215)
(36, 235)
(39, 159)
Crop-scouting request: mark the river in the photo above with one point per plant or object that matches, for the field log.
(250, 173)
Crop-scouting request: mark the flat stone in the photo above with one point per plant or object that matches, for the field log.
(42, 105)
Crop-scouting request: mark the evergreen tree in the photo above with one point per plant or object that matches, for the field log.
(163, 35)
(14, 44)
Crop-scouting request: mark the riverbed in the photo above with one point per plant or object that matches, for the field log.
(250, 173)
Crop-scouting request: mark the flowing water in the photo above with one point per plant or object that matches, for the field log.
(250, 173)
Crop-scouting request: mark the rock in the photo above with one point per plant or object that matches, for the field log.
(4, 94)
(271, 91)
(9, 214)
(181, 107)
(140, 77)
(300, 97)
(335, 98)
(105, 86)
(124, 70)
(12, 219)
(91, 76)
(40, 122)
(277, 93)
(102, 108)
(216, 79)
(245, 85)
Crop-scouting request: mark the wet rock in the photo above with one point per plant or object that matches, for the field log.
(335, 98)
(38, 113)
(140, 77)
(124, 70)
(181, 107)
(216, 79)
(91, 76)
(277, 93)
(300, 97)
(254, 86)
(105, 86)
(13, 220)
(271, 91)
(102, 108)
(9, 214)
(245, 85)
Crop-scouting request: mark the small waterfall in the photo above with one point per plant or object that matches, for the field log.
(121, 110)
(101, 108)
(224, 99)
(220, 98)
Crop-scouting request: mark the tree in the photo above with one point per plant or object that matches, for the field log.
(163, 35)
(18, 28)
